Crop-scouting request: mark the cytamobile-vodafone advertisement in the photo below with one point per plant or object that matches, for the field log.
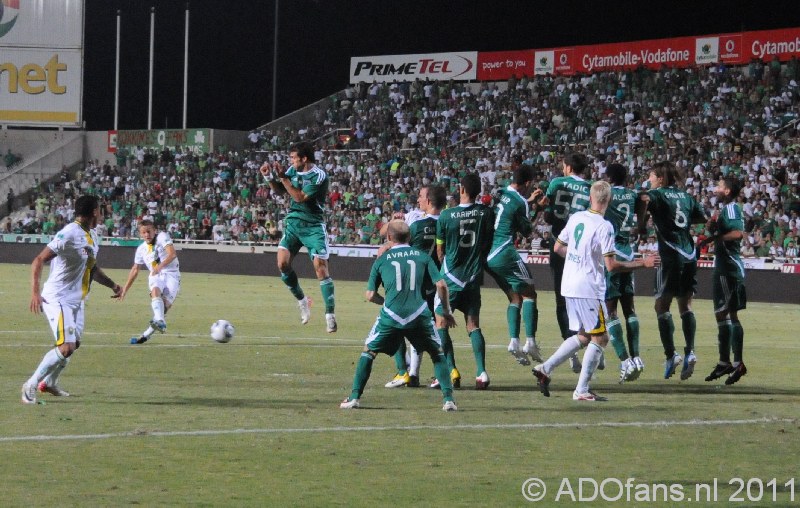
(676, 52)
(433, 66)
(679, 52)
(768, 44)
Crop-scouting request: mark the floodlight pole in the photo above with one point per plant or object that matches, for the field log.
(116, 74)
(150, 84)
(275, 64)
(186, 67)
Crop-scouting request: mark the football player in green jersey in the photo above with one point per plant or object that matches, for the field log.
(404, 272)
(728, 281)
(621, 213)
(566, 196)
(307, 186)
(673, 212)
(432, 198)
(506, 266)
(463, 238)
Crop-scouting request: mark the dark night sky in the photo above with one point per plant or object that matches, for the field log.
(231, 45)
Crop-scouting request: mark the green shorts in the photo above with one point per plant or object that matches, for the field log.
(313, 237)
(509, 271)
(728, 292)
(467, 300)
(619, 285)
(386, 335)
(676, 279)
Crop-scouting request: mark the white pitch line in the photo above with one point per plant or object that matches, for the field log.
(476, 426)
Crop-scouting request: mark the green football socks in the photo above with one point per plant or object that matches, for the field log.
(737, 340)
(632, 327)
(512, 316)
(666, 329)
(326, 287)
(479, 350)
(724, 329)
(290, 279)
(615, 333)
(689, 325)
(530, 316)
(363, 370)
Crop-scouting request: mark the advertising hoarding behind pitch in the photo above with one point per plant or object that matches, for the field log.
(41, 62)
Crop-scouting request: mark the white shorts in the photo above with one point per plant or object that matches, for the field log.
(169, 283)
(66, 321)
(587, 314)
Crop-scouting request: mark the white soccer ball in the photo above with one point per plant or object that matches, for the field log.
(222, 331)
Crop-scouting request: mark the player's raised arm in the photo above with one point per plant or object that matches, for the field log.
(641, 213)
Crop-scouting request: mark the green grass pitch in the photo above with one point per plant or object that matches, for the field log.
(185, 421)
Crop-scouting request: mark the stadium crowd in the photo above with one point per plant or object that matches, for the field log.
(711, 121)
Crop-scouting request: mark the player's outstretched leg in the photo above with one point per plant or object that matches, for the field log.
(363, 371)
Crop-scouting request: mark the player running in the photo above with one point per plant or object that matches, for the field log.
(72, 255)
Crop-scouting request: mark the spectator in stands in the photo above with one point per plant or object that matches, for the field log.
(11, 159)
(747, 250)
(546, 242)
(10, 201)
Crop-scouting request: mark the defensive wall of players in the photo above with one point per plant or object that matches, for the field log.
(771, 286)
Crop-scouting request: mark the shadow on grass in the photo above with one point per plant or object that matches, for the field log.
(665, 388)
(220, 402)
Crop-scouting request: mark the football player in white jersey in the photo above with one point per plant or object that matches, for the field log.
(587, 244)
(158, 254)
(72, 254)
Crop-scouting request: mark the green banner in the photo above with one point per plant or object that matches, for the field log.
(197, 139)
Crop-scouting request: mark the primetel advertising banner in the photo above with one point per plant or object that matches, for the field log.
(41, 60)
(432, 66)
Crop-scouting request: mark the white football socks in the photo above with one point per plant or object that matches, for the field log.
(158, 308)
(413, 363)
(568, 347)
(591, 358)
(50, 361)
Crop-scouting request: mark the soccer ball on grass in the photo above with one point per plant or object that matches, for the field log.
(222, 331)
